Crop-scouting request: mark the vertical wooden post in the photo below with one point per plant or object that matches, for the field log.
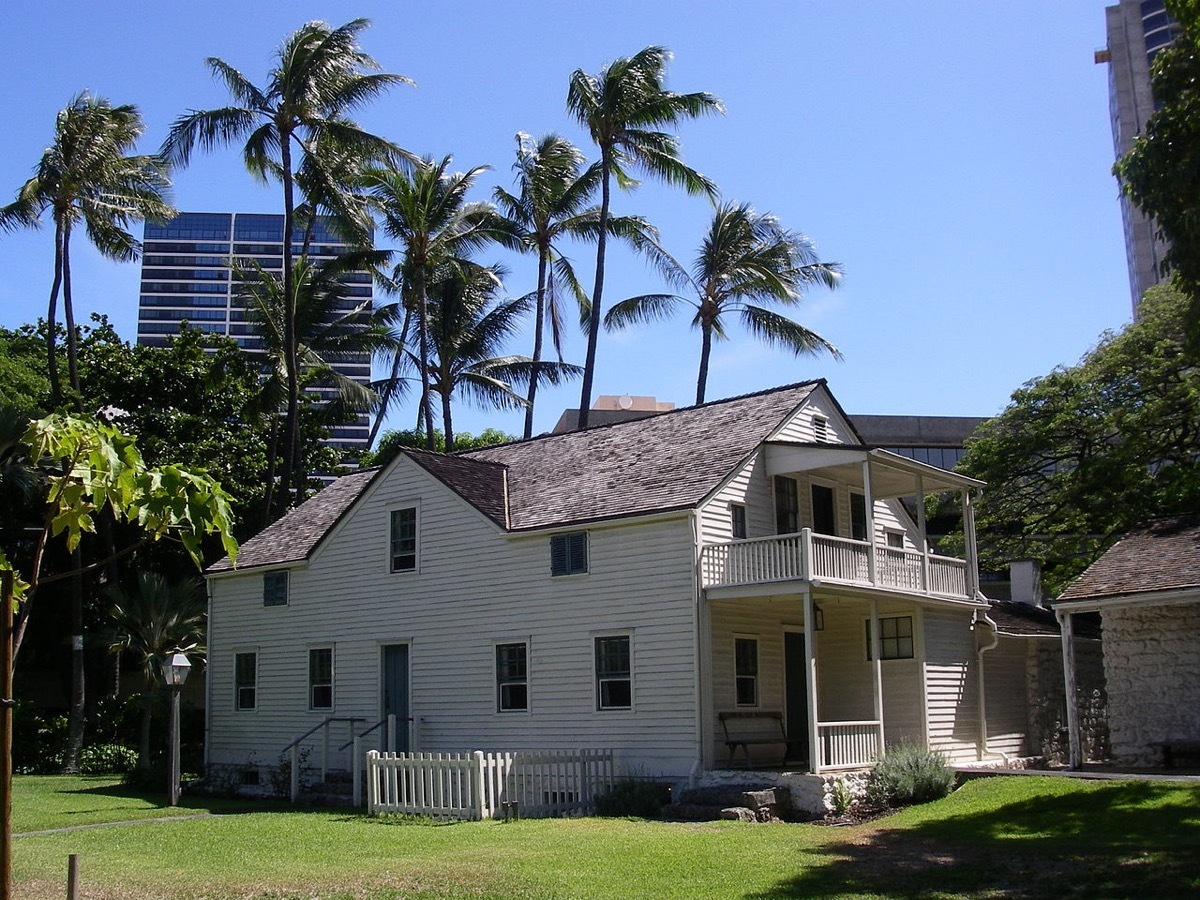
(6, 725)
(877, 671)
(1065, 624)
(173, 750)
(869, 510)
(73, 877)
(810, 669)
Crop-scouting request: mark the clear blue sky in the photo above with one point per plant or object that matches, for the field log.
(954, 157)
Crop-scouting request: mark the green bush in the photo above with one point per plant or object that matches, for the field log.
(632, 797)
(106, 759)
(39, 740)
(908, 774)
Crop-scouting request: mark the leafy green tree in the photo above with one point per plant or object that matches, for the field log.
(151, 619)
(23, 381)
(745, 256)
(424, 208)
(297, 130)
(392, 442)
(1085, 453)
(622, 108)
(88, 177)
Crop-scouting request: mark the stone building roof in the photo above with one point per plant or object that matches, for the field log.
(1162, 555)
(667, 462)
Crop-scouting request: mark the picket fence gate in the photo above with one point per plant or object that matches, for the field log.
(480, 785)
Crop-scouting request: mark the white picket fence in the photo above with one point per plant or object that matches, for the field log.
(480, 785)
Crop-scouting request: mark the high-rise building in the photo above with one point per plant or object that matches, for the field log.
(1137, 30)
(188, 275)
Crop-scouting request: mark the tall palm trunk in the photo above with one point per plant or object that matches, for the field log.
(389, 388)
(539, 327)
(291, 486)
(589, 364)
(76, 717)
(423, 341)
(447, 422)
(52, 319)
(69, 318)
(706, 331)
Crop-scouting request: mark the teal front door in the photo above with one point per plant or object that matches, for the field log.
(395, 691)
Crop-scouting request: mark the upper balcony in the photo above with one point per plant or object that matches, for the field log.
(811, 557)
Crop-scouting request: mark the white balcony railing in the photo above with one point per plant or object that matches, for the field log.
(849, 745)
(806, 556)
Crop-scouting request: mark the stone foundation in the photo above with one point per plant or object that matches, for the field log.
(812, 796)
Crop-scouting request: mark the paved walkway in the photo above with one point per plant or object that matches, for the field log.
(202, 815)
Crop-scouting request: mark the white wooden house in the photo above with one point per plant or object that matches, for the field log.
(622, 588)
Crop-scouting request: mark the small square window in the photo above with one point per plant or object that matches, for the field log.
(614, 679)
(737, 519)
(404, 539)
(569, 553)
(275, 589)
(895, 638)
(745, 668)
(895, 540)
(320, 678)
(245, 680)
(512, 677)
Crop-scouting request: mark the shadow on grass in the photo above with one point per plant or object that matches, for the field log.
(1120, 840)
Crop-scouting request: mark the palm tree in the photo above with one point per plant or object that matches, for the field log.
(297, 130)
(88, 176)
(746, 256)
(156, 617)
(468, 329)
(326, 332)
(424, 207)
(621, 107)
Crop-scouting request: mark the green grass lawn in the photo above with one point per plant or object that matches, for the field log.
(1027, 837)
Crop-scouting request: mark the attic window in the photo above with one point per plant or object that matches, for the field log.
(569, 553)
(820, 429)
(275, 588)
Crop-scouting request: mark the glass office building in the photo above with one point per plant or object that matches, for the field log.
(188, 274)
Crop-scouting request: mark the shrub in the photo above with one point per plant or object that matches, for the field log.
(908, 774)
(106, 759)
(632, 797)
(39, 740)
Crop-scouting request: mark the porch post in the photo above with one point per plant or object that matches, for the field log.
(869, 503)
(810, 664)
(877, 670)
(968, 510)
(1065, 624)
(921, 530)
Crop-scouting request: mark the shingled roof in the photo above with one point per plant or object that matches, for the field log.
(666, 462)
(1162, 555)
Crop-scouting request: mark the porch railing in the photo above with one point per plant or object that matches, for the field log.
(807, 556)
(846, 745)
(480, 785)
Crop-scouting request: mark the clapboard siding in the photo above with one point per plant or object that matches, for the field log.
(951, 684)
(800, 426)
(475, 587)
(1005, 677)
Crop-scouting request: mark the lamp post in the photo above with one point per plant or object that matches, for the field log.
(175, 670)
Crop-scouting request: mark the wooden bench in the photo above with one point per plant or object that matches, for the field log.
(1178, 751)
(744, 728)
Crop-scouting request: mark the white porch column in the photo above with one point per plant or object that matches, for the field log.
(1065, 624)
(968, 510)
(810, 667)
(923, 533)
(877, 669)
(869, 503)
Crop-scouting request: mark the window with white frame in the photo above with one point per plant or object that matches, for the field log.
(858, 516)
(512, 676)
(787, 505)
(745, 671)
(614, 675)
(569, 553)
(895, 539)
(895, 638)
(275, 588)
(404, 539)
(245, 680)
(320, 678)
(737, 519)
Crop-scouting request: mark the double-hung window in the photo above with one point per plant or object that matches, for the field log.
(512, 676)
(737, 520)
(245, 680)
(614, 675)
(858, 516)
(275, 588)
(404, 539)
(320, 678)
(787, 505)
(895, 638)
(745, 671)
(569, 553)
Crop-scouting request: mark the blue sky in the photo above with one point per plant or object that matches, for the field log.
(954, 157)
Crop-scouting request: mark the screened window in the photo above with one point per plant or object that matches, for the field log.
(787, 505)
(895, 540)
(895, 638)
(512, 677)
(320, 678)
(275, 589)
(614, 679)
(404, 539)
(745, 667)
(569, 553)
(245, 680)
(737, 519)
(858, 517)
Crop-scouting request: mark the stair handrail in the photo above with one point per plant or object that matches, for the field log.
(379, 724)
(294, 747)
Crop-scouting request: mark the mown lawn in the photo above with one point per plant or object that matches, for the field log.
(1019, 837)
